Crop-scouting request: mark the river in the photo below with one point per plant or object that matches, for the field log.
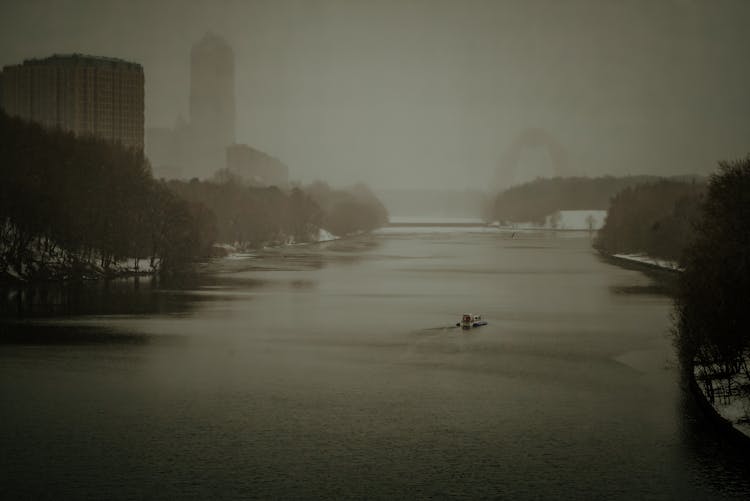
(336, 370)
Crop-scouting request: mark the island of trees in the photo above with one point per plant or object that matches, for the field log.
(73, 207)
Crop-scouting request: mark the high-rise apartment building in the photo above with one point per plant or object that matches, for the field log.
(87, 95)
(212, 106)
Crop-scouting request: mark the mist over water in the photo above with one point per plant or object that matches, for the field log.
(335, 370)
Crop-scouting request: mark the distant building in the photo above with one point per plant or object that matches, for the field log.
(164, 151)
(87, 95)
(256, 167)
(196, 148)
(205, 143)
(212, 106)
(168, 150)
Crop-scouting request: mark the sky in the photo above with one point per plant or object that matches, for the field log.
(434, 94)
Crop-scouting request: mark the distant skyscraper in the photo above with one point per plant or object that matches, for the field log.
(212, 107)
(87, 95)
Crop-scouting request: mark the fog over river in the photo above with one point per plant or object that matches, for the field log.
(335, 370)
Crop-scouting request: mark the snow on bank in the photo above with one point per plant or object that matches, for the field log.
(240, 255)
(727, 403)
(644, 259)
(725, 398)
(237, 251)
(326, 236)
(56, 267)
(141, 266)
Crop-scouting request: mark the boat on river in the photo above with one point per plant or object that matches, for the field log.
(469, 321)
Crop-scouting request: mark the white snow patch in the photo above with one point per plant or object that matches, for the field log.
(240, 255)
(643, 258)
(736, 408)
(325, 236)
(144, 265)
(226, 247)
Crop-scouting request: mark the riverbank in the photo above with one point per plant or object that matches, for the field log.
(731, 415)
(79, 272)
(664, 276)
(724, 399)
(234, 251)
(718, 397)
(646, 260)
(59, 271)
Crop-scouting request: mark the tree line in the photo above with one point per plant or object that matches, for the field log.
(535, 200)
(250, 216)
(705, 227)
(348, 211)
(711, 304)
(656, 218)
(73, 207)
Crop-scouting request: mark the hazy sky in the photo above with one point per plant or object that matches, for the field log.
(411, 93)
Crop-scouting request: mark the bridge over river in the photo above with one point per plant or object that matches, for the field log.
(446, 222)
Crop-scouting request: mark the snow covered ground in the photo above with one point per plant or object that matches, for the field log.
(56, 267)
(732, 407)
(735, 409)
(236, 252)
(643, 258)
(143, 266)
(326, 236)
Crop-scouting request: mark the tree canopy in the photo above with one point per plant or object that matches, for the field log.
(534, 201)
(712, 313)
(655, 218)
(75, 206)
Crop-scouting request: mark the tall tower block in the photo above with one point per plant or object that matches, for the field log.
(212, 106)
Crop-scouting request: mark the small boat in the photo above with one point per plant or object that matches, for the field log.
(468, 321)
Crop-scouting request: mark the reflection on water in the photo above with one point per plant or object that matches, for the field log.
(21, 333)
(121, 296)
(654, 288)
(150, 295)
(336, 370)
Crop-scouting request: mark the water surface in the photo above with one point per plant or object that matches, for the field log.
(335, 370)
